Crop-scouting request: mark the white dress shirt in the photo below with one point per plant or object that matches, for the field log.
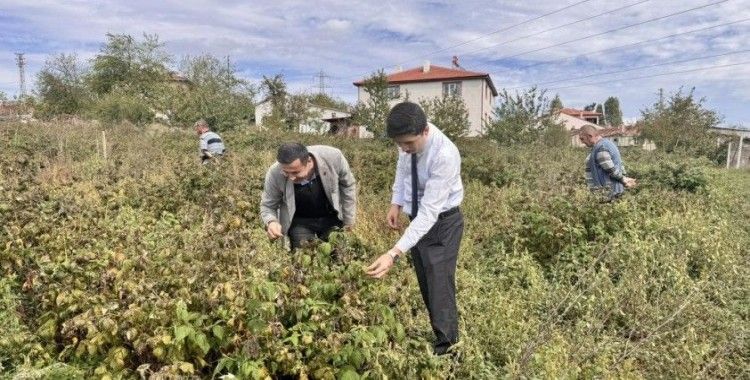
(439, 185)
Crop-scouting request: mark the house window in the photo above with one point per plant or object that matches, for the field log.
(452, 88)
(394, 92)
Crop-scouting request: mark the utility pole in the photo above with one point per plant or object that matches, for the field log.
(21, 61)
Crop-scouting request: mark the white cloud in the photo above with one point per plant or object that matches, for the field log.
(337, 25)
(349, 40)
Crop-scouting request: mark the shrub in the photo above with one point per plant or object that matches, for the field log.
(118, 107)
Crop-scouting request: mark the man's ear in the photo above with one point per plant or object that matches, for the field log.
(426, 129)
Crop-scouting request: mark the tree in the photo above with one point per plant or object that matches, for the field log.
(555, 135)
(681, 124)
(325, 100)
(134, 67)
(299, 111)
(590, 107)
(613, 116)
(3, 96)
(214, 93)
(60, 87)
(449, 113)
(373, 112)
(275, 92)
(556, 104)
(521, 118)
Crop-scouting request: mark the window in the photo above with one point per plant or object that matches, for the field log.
(394, 92)
(452, 88)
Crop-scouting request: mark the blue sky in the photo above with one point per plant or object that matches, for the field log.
(511, 40)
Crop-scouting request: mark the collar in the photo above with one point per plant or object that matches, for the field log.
(431, 137)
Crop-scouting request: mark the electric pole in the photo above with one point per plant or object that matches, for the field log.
(21, 61)
(322, 82)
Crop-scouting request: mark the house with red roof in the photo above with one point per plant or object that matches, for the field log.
(590, 117)
(429, 81)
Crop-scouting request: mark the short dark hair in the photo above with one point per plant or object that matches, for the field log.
(406, 118)
(291, 151)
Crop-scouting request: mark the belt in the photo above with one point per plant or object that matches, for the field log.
(448, 212)
(445, 213)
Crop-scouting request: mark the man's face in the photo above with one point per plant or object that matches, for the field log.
(412, 143)
(297, 171)
(200, 129)
(587, 138)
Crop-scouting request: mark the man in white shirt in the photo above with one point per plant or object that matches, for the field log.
(428, 188)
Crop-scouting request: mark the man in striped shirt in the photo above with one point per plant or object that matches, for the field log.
(604, 167)
(211, 145)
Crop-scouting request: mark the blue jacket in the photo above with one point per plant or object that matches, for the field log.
(604, 167)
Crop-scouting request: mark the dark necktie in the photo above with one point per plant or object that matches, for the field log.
(414, 186)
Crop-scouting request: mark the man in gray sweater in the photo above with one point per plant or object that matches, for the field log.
(307, 193)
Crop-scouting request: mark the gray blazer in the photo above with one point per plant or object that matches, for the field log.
(277, 202)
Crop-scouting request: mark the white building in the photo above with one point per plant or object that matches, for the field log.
(430, 81)
(322, 119)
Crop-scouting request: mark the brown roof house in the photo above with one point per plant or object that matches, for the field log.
(429, 81)
(573, 119)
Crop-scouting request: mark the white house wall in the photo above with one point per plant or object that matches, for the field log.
(474, 93)
(262, 111)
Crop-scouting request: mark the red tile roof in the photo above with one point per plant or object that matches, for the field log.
(435, 74)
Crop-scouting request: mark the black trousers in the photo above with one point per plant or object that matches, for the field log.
(435, 258)
(306, 229)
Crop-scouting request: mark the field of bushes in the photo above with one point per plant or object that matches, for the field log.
(148, 265)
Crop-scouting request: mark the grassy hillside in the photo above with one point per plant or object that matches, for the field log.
(149, 264)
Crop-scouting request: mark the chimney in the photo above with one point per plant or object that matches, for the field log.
(426, 67)
(455, 62)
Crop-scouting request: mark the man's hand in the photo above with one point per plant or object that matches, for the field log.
(392, 217)
(629, 182)
(382, 265)
(273, 229)
(348, 227)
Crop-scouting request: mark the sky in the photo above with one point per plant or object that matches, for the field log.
(585, 51)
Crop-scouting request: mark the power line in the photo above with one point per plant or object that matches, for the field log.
(653, 75)
(633, 69)
(613, 30)
(496, 31)
(634, 43)
(557, 27)
(487, 34)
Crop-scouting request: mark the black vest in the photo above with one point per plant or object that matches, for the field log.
(311, 201)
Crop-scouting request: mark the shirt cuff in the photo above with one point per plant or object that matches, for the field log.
(403, 246)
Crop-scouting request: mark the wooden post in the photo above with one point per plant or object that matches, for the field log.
(104, 145)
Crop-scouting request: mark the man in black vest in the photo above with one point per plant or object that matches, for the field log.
(307, 193)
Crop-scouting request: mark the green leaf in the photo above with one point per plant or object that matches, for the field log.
(218, 332)
(181, 310)
(187, 367)
(348, 373)
(201, 341)
(181, 332)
